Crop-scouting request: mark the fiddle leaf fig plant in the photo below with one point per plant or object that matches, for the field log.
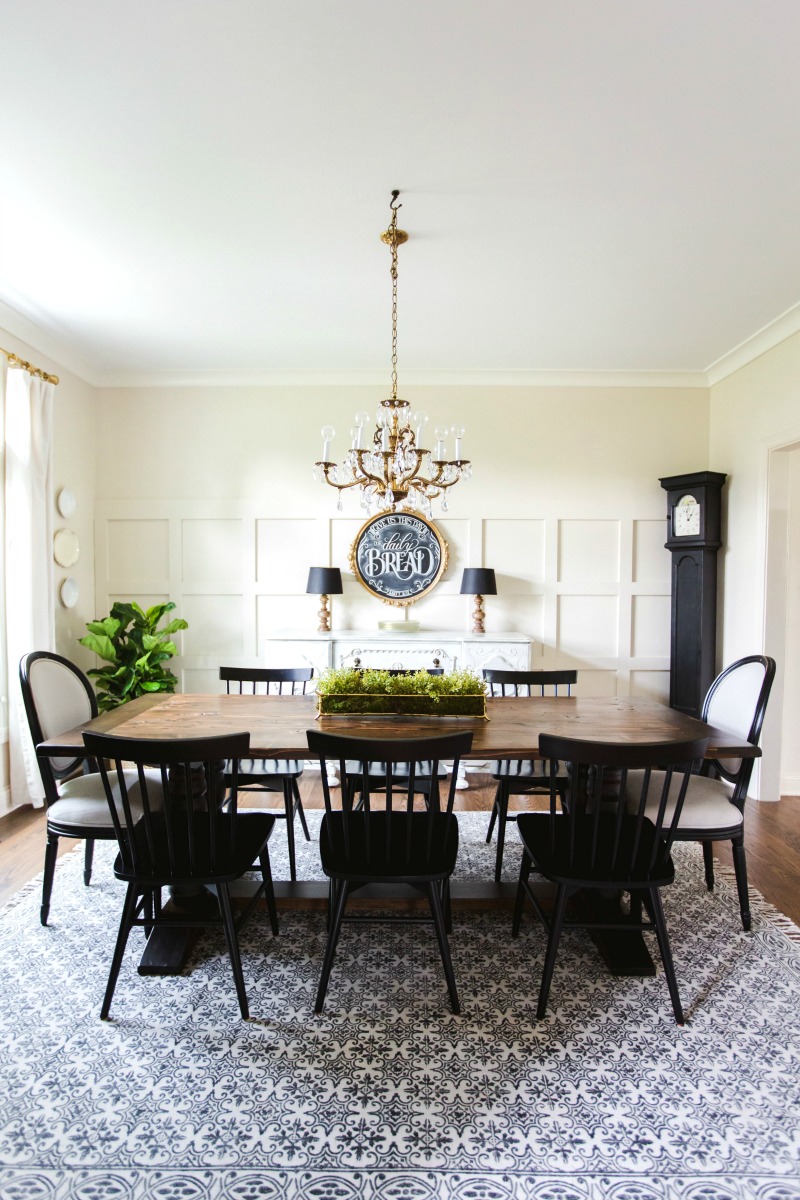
(135, 651)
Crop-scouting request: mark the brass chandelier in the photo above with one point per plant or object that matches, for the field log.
(395, 468)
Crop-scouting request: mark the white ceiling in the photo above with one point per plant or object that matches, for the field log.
(589, 185)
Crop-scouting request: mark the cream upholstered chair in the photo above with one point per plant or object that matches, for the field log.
(58, 696)
(714, 807)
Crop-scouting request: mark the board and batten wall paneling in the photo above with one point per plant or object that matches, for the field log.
(564, 503)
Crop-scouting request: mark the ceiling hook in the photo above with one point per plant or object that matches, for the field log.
(392, 205)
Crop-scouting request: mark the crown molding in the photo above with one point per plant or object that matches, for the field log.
(33, 332)
(375, 379)
(764, 339)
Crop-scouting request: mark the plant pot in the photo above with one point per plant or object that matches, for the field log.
(410, 705)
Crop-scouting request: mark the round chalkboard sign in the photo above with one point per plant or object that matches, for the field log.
(398, 556)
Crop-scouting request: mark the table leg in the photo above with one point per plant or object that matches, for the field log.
(169, 946)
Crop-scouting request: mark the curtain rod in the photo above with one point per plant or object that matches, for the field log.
(14, 360)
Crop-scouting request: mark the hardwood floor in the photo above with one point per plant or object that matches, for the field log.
(772, 841)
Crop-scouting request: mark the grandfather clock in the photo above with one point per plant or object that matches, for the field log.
(693, 537)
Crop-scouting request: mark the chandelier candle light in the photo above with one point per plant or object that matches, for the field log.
(391, 466)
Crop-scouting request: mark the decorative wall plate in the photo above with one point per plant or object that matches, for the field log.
(66, 502)
(398, 557)
(69, 592)
(66, 547)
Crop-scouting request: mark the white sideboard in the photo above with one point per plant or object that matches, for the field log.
(447, 648)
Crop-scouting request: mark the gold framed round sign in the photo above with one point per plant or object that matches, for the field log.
(398, 556)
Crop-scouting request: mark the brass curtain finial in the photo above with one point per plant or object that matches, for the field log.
(14, 360)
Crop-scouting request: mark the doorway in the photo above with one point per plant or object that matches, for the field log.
(780, 766)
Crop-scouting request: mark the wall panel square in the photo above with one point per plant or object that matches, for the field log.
(650, 627)
(282, 614)
(456, 535)
(588, 551)
(202, 681)
(215, 625)
(652, 685)
(595, 683)
(515, 549)
(285, 549)
(587, 626)
(138, 550)
(211, 550)
(651, 559)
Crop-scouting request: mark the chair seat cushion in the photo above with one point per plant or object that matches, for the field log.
(210, 861)
(265, 772)
(407, 858)
(707, 806)
(82, 800)
(564, 857)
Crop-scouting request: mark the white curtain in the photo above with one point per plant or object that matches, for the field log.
(29, 577)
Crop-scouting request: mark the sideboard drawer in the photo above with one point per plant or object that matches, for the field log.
(398, 655)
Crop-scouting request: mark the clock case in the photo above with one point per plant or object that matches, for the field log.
(693, 632)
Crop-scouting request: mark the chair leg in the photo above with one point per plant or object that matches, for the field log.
(657, 913)
(740, 867)
(149, 907)
(524, 873)
(50, 856)
(708, 863)
(493, 817)
(88, 855)
(269, 890)
(444, 947)
(288, 805)
(502, 817)
(298, 807)
(126, 921)
(224, 897)
(552, 949)
(340, 891)
(447, 906)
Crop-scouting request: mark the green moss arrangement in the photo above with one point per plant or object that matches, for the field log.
(342, 690)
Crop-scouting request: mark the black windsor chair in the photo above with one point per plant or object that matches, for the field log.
(57, 697)
(714, 807)
(594, 842)
(268, 774)
(391, 843)
(520, 777)
(189, 837)
(377, 770)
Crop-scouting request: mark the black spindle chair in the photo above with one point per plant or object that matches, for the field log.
(389, 842)
(520, 777)
(597, 840)
(272, 774)
(377, 770)
(184, 835)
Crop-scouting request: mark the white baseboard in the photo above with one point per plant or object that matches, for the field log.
(790, 785)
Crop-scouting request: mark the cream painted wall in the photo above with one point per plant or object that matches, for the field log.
(754, 413)
(215, 484)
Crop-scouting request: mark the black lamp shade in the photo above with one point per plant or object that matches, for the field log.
(324, 581)
(478, 581)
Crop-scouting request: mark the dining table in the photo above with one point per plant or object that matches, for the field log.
(510, 730)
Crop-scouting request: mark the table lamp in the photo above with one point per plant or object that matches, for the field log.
(324, 582)
(478, 582)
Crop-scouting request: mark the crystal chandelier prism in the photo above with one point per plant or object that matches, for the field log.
(390, 466)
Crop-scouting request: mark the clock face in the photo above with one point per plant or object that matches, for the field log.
(686, 518)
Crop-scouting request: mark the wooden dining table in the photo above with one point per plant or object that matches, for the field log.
(510, 730)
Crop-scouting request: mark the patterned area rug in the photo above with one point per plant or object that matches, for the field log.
(387, 1096)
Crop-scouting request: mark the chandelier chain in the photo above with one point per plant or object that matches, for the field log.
(393, 269)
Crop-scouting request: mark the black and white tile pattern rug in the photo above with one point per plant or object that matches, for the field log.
(387, 1096)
